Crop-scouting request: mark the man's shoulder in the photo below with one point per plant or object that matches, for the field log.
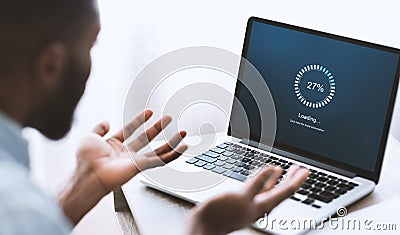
(14, 180)
(24, 209)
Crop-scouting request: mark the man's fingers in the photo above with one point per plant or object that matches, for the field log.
(254, 185)
(291, 171)
(150, 134)
(174, 154)
(271, 182)
(102, 128)
(155, 161)
(171, 144)
(131, 127)
(295, 178)
(287, 187)
(292, 182)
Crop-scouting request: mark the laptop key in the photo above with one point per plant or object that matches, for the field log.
(206, 158)
(340, 191)
(231, 161)
(311, 181)
(249, 154)
(222, 146)
(294, 198)
(303, 192)
(192, 160)
(306, 186)
(315, 190)
(200, 163)
(313, 176)
(217, 150)
(245, 172)
(227, 153)
(259, 164)
(308, 201)
(328, 195)
(237, 169)
(247, 167)
(285, 167)
(236, 156)
(211, 154)
(330, 188)
(320, 185)
(222, 158)
(283, 161)
(219, 163)
(276, 163)
(254, 162)
(344, 187)
(343, 181)
(237, 176)
(352, 184)
(228, 166)
(322, 179)
(316, 206)
(208, 166)
(227, 173)
(218, 170)
(333, 177)
(263, 159)
(320, 198)
(332, 182)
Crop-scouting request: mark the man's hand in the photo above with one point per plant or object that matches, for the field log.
(105, 164)
(232, 211)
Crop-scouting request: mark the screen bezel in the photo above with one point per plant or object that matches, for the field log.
(372, 175)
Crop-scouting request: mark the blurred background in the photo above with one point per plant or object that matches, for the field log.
(135, 32)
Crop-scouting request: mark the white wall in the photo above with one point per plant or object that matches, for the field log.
(136, 32)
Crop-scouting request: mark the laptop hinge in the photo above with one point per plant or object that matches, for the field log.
(299, 158)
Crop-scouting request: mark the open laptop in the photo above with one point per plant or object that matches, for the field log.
(333, 99)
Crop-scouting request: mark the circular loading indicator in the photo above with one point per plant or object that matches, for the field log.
(327, 74)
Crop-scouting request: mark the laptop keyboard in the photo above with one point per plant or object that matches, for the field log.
(237, 162)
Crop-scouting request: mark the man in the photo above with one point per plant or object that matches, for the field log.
(44, 65)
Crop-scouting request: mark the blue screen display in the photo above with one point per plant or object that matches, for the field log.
(331, 97)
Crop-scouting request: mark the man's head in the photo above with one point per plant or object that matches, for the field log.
(45, 60)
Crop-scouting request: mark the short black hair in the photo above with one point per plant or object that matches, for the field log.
(26, 26)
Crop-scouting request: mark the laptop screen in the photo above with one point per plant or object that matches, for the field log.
(333, 96)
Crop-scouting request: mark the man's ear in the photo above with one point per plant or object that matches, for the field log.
(50, 66)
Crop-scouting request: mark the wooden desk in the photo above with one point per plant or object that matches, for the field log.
(154, 212)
